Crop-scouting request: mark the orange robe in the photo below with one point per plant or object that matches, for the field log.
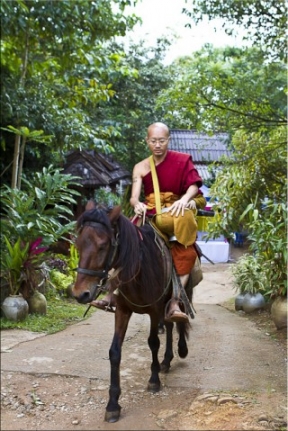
(176, 173)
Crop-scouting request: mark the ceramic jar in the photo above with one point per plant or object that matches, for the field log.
(37, 303)
(253, 302)
(279, 312)
(239, 301)
(15, 308)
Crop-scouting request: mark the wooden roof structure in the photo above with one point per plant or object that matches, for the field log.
(203, 148)
(96, 169)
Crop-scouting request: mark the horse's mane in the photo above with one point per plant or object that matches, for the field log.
(139, 256)
(96, 215)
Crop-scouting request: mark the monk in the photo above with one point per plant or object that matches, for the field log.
(179, 186)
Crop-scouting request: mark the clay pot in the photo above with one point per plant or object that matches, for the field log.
(279, 312)
(253, 302)
(15, 308)
(239, 301)
(37, 303)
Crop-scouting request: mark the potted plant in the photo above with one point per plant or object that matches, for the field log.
(21, 268)
(249, 280)
(277, 291)
(14, 306)
(267, 224)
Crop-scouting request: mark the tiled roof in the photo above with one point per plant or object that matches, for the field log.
(203, 148)
(95, 169)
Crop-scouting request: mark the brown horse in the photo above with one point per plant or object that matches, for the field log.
(143, 276)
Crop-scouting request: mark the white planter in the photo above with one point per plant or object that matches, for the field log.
(15, 308)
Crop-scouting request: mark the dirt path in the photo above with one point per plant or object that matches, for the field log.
(234, 377)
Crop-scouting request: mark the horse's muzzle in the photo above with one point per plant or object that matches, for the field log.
(84, 297)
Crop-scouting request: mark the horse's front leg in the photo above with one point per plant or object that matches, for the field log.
(113, 408)
(168, 355)
(154, 383)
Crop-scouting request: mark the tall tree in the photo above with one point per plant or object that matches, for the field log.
(264, 20)
(133, 107)
(55, 58)
(226, 89)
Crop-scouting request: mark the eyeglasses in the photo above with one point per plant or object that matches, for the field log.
(161, 141)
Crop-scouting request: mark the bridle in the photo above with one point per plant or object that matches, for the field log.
(102, 274)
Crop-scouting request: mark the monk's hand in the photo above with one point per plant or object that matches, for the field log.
(178, 207)
(140, 209)
(191, 205)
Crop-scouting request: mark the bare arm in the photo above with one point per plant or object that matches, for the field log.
(138, 206)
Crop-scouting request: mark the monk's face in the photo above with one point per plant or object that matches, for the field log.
(158, 140)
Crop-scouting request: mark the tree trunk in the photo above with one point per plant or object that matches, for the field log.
(16, 176)
(16, 162)
(21, 160)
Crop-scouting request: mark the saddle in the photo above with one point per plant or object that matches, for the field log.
(164, 244)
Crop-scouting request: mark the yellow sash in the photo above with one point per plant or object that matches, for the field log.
(183, 227)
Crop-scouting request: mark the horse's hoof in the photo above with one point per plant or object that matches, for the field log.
(183, 352)
(153, 387)
(164, 368)
(112, 416)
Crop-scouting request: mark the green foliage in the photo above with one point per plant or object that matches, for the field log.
(60, 314)
(226, 89)
(21, 265)
(39, 215)
(269, 241)
(60, 281)
(57, 66)
(61, 272)
(264, 20)
(72, 261)
(250, 194)
(36, 135)
(105, 195)
(42, 210)
(12, 261)
(133, 107)
(257, 168)
(248, 275)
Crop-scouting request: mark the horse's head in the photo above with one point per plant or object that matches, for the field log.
(97, 245)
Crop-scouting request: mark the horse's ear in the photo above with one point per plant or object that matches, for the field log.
(114, 213)
(90, 205)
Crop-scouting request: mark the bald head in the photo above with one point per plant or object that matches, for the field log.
(158, 127)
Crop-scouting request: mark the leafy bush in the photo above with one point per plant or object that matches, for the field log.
(61, 272)
(40, 213)
(269, 242)
(21, 264)
(60, 281)
(42, 209)
(248, 275)
(105, 195)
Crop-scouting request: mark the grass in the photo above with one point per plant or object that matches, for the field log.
(61, 312)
